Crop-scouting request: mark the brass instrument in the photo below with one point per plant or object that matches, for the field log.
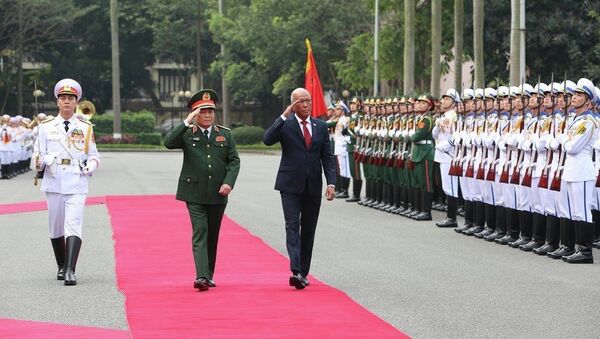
(86, 108)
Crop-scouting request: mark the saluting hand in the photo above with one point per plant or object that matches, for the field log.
(225, 190)
(288, 111)
(192, 116)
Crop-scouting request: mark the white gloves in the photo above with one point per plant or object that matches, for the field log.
(526, 145)
(90, 168)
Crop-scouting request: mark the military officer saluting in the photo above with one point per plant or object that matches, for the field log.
(210, 168)
(66, 151)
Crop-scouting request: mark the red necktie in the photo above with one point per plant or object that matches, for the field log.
(307, 137)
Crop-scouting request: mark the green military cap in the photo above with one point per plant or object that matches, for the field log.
(204, 98)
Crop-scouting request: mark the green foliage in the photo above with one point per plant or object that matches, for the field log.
(149, 138)
(131, 123)
(248, 135)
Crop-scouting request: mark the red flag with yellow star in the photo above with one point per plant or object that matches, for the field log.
(313, 85)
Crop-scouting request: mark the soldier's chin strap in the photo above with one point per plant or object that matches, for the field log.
(584, 103)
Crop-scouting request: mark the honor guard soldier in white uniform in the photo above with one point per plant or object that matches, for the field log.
(578, 173)
(444, 149)
(341, 139)
(65, 149)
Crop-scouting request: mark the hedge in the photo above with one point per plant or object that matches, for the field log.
(140, 138)
(131, 122)
(248, 135)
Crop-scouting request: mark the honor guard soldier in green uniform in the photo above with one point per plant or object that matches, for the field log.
(210, 167)
(422, 154)
(356, 116)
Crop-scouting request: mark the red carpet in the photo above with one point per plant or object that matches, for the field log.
(12, 328)
(34, 206)
(155, 271)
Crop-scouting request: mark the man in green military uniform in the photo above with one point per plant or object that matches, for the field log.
(422, 153)
(210, 167)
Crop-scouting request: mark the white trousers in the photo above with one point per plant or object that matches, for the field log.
(449, 182)
(65, 214)
(535, 196)
(561, 201)
(509, 195)
(465, 188)
(580, 195)
(344, 164)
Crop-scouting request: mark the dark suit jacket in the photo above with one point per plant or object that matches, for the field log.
(301, 168)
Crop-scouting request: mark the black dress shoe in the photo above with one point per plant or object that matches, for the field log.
(463, 228)
(582, 256)
(407, 212)
(60, 275)
(201, 284)
(547, 248)
(353, 199)
(423, 216)
(473, 230)
(530, 246)
(211, 283)
(517, 243)
(494, 236)
(561, 252)
(487, 231)
(305, 281)
(596, 244)
(296, 281)
(505, 239)
(413, 214)
(447, 223)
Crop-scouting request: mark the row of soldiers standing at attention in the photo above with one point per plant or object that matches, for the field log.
(17, 135)
(523, 160)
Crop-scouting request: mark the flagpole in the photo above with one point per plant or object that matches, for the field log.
(376, 52)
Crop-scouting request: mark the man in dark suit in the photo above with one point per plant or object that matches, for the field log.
(305, 155)
(210, 168)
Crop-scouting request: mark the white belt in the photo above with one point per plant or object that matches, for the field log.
(67, 162)
(424, 142)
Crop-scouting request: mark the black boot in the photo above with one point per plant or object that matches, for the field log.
(567, 239)
(585, 235)
(500, 225)
(397, 199)
(450, 213)
(512, 227)
(425, 207)
(356, 187)
(469, 217)
(490, 221)
(479, 219)
(377, 194)
(73, 247)
(58, 246)
(3, 172)
(408, 201)
(389, 197)
(345, 183)
(526, 226)
(552, 236)
(417, 203)
(596, 218)
(538, 235)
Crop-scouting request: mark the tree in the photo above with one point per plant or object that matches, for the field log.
(29, 26)
(478, 15)
(409, 47)
(436, 46)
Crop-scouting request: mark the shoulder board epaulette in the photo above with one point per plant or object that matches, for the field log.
(48, 120)
(85, 121)
(225, 128)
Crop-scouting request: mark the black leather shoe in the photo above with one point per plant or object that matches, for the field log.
(296, 281)
(596, 244)
(60, 275)
(202, 284)
(519, 242)
(422, 216)
(494, 236)
(211, 283)
(487, 231)
(447, 223)
(547, 248)
(505, 240)
(413, 214)
(473, 230)
(561, 252)
(530, 246)
(407, 212)
(463, 228)
(582, 256)
(305, 281)
(353, 199)
(342, 195)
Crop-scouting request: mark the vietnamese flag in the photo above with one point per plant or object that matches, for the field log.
(313, 85)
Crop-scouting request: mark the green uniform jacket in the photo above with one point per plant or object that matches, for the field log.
(422, 146)
(207, 164)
